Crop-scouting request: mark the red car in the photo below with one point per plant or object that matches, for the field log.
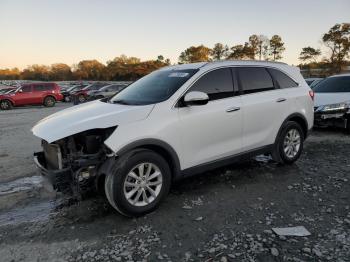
(32, 94)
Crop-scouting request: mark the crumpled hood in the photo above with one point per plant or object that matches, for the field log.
(88, 116)
(322, 99)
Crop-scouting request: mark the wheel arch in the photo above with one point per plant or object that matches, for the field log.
(298, 118)
(8, 99)
(160, 147)
(46, 96)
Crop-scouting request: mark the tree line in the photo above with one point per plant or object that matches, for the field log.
(257, 47)
(120, 68)
(132, 68)
(337, 44)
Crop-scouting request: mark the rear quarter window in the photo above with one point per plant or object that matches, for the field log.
(282, 79)
(39, 88)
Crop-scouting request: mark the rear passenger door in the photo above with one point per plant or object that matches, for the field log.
(265, 106)
(212, 131)
(39, 91)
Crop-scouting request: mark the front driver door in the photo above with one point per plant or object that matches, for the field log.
(213, 131)
(24, 95)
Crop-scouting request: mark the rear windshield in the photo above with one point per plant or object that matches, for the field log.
(153, 88)
(337, 84)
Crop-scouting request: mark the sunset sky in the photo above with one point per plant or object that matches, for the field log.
(47, 31)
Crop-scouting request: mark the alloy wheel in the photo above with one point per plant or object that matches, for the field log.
(291, 143)
(4, 105)
(143, 184)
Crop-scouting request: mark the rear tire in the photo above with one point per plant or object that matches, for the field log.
(5, 105)
(289, 143)
(49, 101)
(138, 182)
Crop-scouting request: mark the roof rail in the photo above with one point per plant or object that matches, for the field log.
(250, 60)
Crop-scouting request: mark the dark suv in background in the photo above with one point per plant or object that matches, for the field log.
(32, 94)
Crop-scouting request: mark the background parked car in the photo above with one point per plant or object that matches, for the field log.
(32, 94)
(332, 102)
(6, 90)
(312, 82)
(106, 91)
(67, 92)
(81, 95)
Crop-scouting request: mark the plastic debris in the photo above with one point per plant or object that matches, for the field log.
(298, 231)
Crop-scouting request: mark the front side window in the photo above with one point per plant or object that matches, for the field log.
(282, 79)
(216, 84)
(255, 79)
(26, 89)
(339, 84)
(153, 88)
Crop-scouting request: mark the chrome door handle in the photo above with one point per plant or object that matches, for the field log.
(233, 109)
(279, 100)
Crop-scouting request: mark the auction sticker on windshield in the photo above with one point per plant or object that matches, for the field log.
(178, 74)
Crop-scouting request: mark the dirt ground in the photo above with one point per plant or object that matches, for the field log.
(224, 215)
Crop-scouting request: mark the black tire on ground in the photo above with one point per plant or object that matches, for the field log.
(280, 151)
(5, 105)
(118, 174)
(49, 101)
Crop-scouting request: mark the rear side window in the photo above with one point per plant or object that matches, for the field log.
(282, 79)
(255, 79)
(41, 88)
(337, 84)
(217, 84)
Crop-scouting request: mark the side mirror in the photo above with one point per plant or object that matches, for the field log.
(20, 91)
(196, 98)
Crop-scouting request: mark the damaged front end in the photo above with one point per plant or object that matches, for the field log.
(71, 164)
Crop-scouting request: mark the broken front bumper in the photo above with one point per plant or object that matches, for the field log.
(336, 119)
(61, 179)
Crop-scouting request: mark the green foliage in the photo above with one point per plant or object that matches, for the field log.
(337, 39)
(276, 47)
(309, 54)
(219, 52)
(195, 54)
(241, 52)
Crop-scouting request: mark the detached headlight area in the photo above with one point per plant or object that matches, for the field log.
(334, 107)
(333, 115)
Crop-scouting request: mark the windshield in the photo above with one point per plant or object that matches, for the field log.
(333, 85)
(153, 88)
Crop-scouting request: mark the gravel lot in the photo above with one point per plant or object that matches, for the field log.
(224, 215)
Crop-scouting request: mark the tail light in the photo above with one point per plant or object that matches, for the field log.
(312, 94)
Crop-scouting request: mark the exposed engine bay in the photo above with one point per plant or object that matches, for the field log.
(71, 163)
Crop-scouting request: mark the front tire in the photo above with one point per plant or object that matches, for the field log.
(49, 101)
(138, 182)
(5, 105)
(81, 98)
(289, 144)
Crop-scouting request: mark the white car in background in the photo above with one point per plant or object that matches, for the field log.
(332, 102)
(175, 122)
(312, 82)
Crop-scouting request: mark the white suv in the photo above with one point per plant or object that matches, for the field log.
(172, 123)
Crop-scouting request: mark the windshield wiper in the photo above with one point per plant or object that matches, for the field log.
(122, 102)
